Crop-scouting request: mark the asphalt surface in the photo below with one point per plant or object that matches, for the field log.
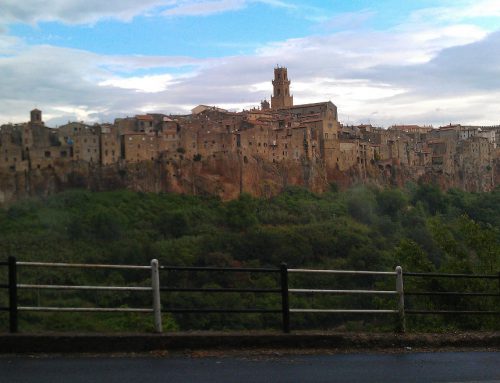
(408, 367)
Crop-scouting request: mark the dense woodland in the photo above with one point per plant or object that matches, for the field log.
(419, 227)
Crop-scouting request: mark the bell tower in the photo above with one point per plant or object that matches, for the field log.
(281, 97)
(36, 117)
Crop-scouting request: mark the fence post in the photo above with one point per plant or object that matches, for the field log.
(285, 305)
(12, 294)
(401, 301)
(155, 285)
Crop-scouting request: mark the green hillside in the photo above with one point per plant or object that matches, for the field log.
(420, 228)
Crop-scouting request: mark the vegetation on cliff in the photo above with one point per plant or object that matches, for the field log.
(420, 228)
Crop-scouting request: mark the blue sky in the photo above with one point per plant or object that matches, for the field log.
(236, 31)
(384, 62)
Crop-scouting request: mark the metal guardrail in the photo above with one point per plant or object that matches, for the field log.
(453, 293)
(398, 273)
(227, 269)
(83, 266)
(86, 309)
(283, 289)
(375, 292)
(71, 287)
(155, 289)
(14, 286)
(448, 275)
(4, 286)
(352, 272)
(344, 311)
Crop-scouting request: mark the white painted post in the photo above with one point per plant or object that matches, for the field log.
(401, 301)
(155, 285)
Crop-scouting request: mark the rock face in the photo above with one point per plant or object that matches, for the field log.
(225, 176)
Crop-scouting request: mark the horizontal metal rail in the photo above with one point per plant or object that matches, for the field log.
(83, 265)
(85, 309)
(351, 272)
(4, 263)
(454, 293)
(344, 311)
(4, 308)
(221, 311)
(445, 312)
(218, 290)
(71, 287)
(230, 269)
(446, 275)
(2, 286)
(306, 291)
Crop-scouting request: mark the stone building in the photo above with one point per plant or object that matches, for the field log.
(83, 140)
(281, 97)
(138, 147)
(110, 146)
(32, 145)
(474, 159)
(11, 148)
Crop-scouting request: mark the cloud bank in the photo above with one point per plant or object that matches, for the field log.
(420, 71)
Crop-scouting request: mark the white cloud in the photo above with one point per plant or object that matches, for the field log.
(346, 20)
(146, 84)
(74, 11)
(458, 11)
(92, 11)
(210, 7)
(196, 8)
(80, 112)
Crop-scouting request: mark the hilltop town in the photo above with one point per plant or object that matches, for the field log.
(258, 151)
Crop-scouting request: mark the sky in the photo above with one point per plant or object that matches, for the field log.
(382, 62)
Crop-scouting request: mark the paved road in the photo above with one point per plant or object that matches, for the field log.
(419, 367)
